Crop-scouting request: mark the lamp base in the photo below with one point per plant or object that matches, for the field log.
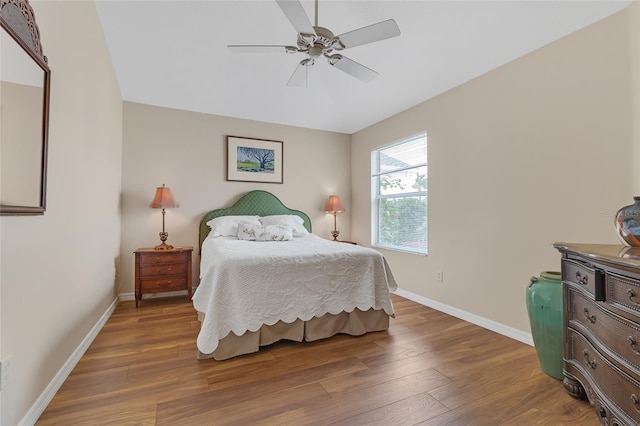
(163, 238)
(335, 234)
(163, 246)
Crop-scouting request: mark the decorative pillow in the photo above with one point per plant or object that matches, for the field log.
(277, 233)
(227, 226)
(251, 232)
(291, 220)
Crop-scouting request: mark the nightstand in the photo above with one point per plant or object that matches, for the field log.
(159, 271)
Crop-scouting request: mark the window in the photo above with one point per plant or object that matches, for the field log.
(399, 195)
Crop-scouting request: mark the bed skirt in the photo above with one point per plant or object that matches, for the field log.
(354, 323)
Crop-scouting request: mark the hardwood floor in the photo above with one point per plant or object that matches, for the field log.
(427, 369)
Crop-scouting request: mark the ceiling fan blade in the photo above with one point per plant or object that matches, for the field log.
(295, 13)
(261, 48)
(353, 68)
(375, 32)
(299, 76)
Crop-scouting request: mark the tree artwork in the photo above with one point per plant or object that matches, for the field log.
(255, 159)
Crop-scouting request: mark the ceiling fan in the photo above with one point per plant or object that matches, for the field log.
(315, 41)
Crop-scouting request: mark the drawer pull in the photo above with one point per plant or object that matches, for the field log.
(632, 294)
(582, 279)
(632, 343)
(590, 318)
(603, 413)
(636, 402)
(591, 363)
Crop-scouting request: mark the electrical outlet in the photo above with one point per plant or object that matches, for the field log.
(440, 276)
(5, 372)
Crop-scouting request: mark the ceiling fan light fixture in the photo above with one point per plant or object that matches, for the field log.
(315, 51)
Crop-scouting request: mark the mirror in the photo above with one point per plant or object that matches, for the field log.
(24, 96)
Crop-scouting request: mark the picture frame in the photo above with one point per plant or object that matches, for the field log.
(254, 160)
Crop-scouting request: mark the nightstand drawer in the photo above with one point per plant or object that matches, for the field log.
(163, 284)
(163, 257)
(161, 270)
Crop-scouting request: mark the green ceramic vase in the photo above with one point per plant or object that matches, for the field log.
(544, 305)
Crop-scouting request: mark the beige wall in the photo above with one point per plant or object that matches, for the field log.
(633, 17)
(58, 270)
(187, 152)
(538, 150)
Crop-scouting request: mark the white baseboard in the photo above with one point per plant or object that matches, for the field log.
(47, 395)
(126, 296)
(499, 328)
(131, 296)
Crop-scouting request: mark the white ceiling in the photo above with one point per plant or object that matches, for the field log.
(173, 53)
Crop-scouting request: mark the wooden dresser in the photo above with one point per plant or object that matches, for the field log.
(159, 271)
(601, 291)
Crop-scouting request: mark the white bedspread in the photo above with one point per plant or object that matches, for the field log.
(245, 284)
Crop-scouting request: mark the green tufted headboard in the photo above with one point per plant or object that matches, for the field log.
(258, 202)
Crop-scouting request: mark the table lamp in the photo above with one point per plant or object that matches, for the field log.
(334, 207)
(164, 199)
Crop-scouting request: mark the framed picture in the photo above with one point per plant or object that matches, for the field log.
(254, 160)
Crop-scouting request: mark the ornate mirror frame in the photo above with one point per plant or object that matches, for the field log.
(23, 141)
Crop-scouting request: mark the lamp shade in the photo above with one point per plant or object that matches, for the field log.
(164, 198)
(334, 205)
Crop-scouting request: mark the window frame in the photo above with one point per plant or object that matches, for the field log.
(377, 197)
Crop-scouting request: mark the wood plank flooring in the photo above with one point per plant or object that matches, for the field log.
(428, 369)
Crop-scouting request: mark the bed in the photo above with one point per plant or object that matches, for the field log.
(291, 285)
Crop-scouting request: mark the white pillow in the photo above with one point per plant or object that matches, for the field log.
(227, 226)
(292, 220)
(251, 232)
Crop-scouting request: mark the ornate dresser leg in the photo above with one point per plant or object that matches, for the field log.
(574, 388)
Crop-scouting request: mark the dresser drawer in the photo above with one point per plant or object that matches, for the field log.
(620, 336)
(155, 258)
(161, 269)
(620, 387)
(579, 274)
(163, 284)
(623, 291)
